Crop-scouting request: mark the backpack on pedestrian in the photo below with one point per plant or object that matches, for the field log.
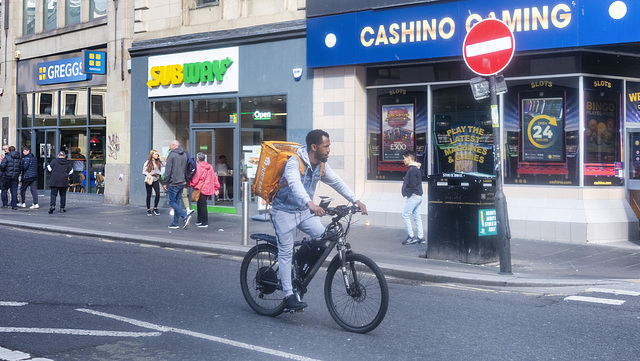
(191, 168)
(273, 159)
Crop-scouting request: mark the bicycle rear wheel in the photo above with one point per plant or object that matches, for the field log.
(259, 280)
(362, 308)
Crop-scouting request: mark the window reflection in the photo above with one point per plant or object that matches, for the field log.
(50, 14)
(29, 17)
(72, 12)
(98, 9)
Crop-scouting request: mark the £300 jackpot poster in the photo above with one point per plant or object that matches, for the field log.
(397, 130)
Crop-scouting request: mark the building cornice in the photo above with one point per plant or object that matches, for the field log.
(222, 38)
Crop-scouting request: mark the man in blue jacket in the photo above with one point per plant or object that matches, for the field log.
(10, 168)
(29, 168)
(293, 206)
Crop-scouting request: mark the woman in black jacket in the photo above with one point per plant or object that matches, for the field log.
(29, 168)
(60, 169)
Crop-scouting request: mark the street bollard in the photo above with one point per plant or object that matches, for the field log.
(245, 213)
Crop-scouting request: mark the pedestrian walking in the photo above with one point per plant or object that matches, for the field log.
(412, 191)
(152, 169)
(174, 178)
(29, 169)
(205, 184)
(10, 168)
(5, 151)
(60, 169)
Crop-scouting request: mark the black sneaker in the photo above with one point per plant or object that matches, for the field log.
(410, 240)
(51, 209)
(62, 210)
(421, 241)
(291, 303)
(149, 212)
(155, 212)
(173, 226)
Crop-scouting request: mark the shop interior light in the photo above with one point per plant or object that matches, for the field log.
(94, 140)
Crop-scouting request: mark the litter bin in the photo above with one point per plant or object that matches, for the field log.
(462, 222)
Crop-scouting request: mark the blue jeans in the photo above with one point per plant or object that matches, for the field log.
(175, 198)
(412, 208)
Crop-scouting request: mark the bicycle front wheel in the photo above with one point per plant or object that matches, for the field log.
(363, 306)
(259, 280)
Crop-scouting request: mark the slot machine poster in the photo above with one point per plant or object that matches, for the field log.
(602, 114)
(543, 130)
(397, 130)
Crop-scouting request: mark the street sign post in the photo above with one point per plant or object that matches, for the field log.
(487, 49)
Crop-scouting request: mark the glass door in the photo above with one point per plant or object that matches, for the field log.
(45, 150)
(217, 147)
(633, 175)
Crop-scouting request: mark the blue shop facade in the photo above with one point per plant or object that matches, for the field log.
(569, 120)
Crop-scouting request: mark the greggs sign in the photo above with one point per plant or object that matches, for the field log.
(438, 29)
(196, 72)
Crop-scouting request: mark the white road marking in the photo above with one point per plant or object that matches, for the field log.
(13, 304)
(71, 331)
(486, 47)
(10, 355)
(199, 335)
(606, 301)
(614, 292)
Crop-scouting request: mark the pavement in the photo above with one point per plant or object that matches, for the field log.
(535, 263)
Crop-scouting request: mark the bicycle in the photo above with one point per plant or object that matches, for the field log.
(355, 290)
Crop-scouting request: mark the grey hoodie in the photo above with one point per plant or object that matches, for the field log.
(300, 189)
(174, 170)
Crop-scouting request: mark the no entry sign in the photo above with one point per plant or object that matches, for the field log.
(488, 47)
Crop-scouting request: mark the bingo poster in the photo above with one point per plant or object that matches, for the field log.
(397, 130)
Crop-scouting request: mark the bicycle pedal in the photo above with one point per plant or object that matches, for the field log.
(294, 311)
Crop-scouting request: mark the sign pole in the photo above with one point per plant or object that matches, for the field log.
(504, 233)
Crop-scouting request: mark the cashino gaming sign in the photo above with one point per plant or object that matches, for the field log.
(436, 30)
(196, 72)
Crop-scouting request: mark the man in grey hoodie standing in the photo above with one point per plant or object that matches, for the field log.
(174, 181)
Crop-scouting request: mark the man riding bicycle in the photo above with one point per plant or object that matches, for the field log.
(293, 205)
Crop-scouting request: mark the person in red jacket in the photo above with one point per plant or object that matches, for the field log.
(206, 181)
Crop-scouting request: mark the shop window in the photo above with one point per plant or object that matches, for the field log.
(26, 102)
(98, 9)
(98, 96)
(72, 12)
(74, 108)
(215, 111)
(98, 143)
(540, 129)
(397, 122)
(170, 121)
(461, 131)
(28, 17)
(602, 138)
(50, 14)
(97, 104)
(268, 114)
(46, 114)
(70, 104)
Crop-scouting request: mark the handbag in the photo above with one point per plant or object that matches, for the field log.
(195, 195)
(148, 179)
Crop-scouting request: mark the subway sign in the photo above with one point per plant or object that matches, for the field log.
(61, 71)
(195, 72)
(436, 30)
